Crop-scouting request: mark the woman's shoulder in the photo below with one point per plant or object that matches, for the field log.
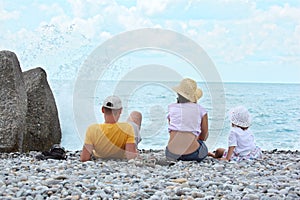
(194, 106)
(173, 104)
(200, 106)
(187, 105)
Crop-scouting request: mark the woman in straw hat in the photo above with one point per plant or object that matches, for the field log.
(188, 124)
(241, 145)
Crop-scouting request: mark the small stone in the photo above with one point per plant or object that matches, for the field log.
(19, 193)
(116, 196)
(180, 192)
(218, 167)
(23, 178)
(39, 197)
(250, 197)
(29, 198)
(290, 166)
(274, 191)
(179, 180)
(196, 194)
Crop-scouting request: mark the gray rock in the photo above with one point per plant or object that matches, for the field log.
(39, 197)
(29, 198)
(250, 197)
(13, 103)
(42, 122)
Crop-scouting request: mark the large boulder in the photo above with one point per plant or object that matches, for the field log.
(13, 103)
(42, 122)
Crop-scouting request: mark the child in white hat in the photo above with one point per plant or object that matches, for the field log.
(241, 144)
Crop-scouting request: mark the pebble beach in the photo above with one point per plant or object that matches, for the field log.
(275, 176)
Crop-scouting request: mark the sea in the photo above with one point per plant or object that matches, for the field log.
(274, 109)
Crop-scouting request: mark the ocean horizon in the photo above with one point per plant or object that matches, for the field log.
(274, 108)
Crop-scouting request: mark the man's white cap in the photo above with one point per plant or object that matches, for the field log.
(112, 102)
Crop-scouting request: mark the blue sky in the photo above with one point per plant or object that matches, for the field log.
(248, 41)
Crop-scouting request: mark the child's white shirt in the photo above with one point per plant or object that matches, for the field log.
(243, 140)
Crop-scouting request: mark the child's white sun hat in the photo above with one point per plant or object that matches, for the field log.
(240, 116)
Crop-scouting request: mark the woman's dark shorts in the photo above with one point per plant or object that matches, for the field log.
(198, 155)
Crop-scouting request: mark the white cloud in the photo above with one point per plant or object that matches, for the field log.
(266, 34)
(154, 6)
(77, 7)
(280, 25)
(89, 8)
(230, 31)
(286, 12)
(7, 15)
(105, 35)
(131, 22)
(93, 17)
(87, 27)
(53, 9)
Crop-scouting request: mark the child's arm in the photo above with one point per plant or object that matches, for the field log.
(229, 153)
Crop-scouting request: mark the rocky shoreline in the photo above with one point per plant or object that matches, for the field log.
(28, 113)
(276, 176)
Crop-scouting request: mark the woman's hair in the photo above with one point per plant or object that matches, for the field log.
(181, 99)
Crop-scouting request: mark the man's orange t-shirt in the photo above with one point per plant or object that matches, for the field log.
(109, 140)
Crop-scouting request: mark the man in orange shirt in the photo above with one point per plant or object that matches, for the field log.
(112, 139)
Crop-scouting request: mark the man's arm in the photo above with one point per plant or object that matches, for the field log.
(86, 152)
(130, 151)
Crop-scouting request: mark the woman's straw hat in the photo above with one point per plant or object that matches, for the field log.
(188, 89)
(240, 116)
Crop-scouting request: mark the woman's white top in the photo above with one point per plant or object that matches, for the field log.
(243, 140)
(185, 117)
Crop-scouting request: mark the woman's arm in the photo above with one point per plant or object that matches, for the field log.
(204, 128)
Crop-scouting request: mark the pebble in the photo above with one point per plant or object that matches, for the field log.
(151, 176)
(179, 180)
